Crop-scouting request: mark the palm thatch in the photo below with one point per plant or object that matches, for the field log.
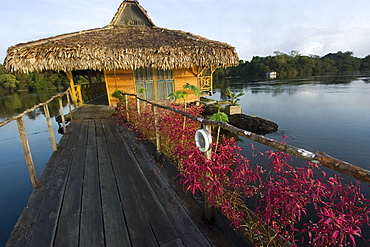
(130, 41)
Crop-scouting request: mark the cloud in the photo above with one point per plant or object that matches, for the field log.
(312, 48)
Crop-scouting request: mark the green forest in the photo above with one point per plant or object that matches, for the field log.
(10, 83)
(296, 65)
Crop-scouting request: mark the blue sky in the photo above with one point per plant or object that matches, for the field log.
(254, 27)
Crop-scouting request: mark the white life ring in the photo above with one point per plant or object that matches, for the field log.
(203, 140)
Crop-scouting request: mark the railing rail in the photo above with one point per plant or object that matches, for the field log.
(318, 157)
(23, 134)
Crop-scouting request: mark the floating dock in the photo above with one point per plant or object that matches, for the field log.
(103, 188)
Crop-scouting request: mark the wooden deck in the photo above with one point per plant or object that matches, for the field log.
(102, 188)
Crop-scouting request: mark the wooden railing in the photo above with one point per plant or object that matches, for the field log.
(266, 232)
(318, 157)
(205, 83)
(92, 90)
(23, 134)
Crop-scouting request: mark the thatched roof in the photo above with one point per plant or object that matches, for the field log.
(130, 41)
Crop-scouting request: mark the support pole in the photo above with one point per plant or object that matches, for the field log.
(27, 152)
(126, 107)
(69, 106)
(107, 88)
(62, 115)
(209, 212)
(79, 95)
(72, 86)
(157, 137)
(50, 127)
(138, 106)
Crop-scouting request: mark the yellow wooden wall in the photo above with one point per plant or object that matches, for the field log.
(183, 76)
(124, 80)
(119, 79)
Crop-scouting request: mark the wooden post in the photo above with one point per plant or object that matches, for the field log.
(27, 152)
(50, 128)
(157, 137)
(72, 86)
(62, 115)
(79, 94)
(208, 209)
(138, 106)
(126, 107)
(208, 154)
(107, 88)
(69, 106)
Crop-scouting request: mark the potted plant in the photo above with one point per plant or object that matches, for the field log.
(234, 98)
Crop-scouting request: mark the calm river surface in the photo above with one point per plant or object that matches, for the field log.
(330, 114)
(15, 184)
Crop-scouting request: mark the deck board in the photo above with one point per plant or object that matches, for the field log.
(103, 188)
(116, 233)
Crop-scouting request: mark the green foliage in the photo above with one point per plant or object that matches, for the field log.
(219, 116)
(365, 64)
(33, 81)
(81, 80)
(178, 95)
(295, 64)
(143, 90)
(119, 94)
(9, 82)
(2, 69)
(193, 88)
(234, 97)
(39, 81)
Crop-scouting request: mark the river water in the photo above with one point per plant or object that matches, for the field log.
(330, 114)
(15, 184)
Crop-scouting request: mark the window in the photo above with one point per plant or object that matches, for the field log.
(158, 83)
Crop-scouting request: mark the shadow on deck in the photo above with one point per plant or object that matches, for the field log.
(103, 188)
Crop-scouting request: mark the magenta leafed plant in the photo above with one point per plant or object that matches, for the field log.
(282, 193)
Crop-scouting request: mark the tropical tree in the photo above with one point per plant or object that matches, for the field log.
(9, 82)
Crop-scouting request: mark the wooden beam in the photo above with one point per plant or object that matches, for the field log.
(72, 86)
(106, 87)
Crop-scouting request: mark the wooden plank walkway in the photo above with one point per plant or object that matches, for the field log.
(102, 188)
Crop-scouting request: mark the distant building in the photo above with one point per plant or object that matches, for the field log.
(271, 74)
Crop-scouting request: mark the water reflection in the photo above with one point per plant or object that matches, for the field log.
(14, 104)
(15, 185)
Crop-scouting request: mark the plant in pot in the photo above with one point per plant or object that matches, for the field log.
(234, 98)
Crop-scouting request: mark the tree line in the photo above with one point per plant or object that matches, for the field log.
(296, 65)
(10, 83)
(286, 65)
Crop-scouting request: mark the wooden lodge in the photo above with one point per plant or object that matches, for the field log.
(131, 52)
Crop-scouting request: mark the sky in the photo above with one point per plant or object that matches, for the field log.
(253, 27)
